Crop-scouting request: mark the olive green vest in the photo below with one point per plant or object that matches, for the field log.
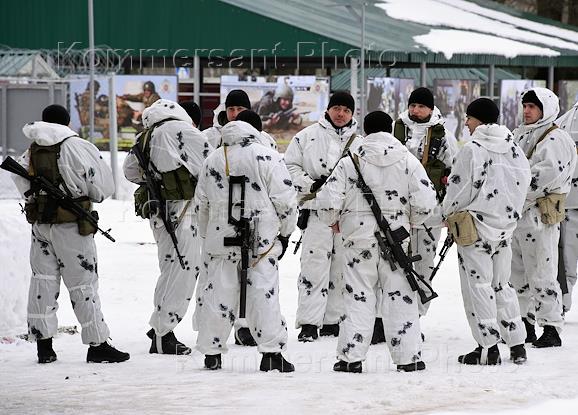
(178, 184)
(42, 208)
(435, 168)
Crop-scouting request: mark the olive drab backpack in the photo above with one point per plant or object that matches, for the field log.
(435, 168)
(42, 208)
(178, 184)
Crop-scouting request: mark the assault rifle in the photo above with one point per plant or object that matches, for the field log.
(444, 251)
(156, 201)
(64, 201)
(390, 243)
(245, 237)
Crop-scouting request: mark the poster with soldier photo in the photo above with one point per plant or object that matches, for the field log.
(510, 103)
(133, 93)
(568, 93)
(452, 98)
(286, 104)
(389, 95)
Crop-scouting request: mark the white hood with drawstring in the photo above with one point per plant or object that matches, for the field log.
(490, 178)
(554, 158)
(397, 179)
(269, 192)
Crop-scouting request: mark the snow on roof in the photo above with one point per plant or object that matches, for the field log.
(505, 35)
(449, 42)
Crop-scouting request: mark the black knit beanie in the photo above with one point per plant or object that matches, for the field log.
(194, 112)
(531, 97)
(377, 121)
(421, 96)
(56, 114)
(237, 98)
(484, 109)
(343, 98)
(250, 117)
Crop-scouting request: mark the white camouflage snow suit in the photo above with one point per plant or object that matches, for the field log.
(270, 203)
(312, 153)
(58, 250)
(535, 244)
(406, 198)
(421, 241)
(489, 179)
(569, 227)
(173, 144)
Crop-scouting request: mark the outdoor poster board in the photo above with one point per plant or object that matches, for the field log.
(452, 97)
(286, 104)
(389, 95)
(510, 101)
(133, 93)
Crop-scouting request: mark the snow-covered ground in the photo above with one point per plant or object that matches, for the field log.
(151, 384)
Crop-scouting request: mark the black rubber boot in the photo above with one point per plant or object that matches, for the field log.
(411, 367)
(243, 337)
(518, 354)
(530, 331)
(275, 361)
(476, 357)
(105, 353)
(169, 344)
(550, 338)
(341, 366)
(308, 333)
(329, 330)
(378, 332)
(45, 352)
(212, 361)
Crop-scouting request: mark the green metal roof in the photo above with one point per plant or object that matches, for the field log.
(233, 28)
(342, 79)
(396, 37)
(178, 28)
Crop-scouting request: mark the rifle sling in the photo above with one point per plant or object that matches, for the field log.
(542, 137)
(345, 151)
(425, 157)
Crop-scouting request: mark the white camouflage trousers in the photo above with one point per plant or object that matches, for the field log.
(59, 251)
(422, 244)
(175, 286)
(490, 301)
(320, 282)
(218, 304)
(569, 240)
(535, 270)
(364, 274)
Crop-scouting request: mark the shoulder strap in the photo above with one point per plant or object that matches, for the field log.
(542, 137)
(425, 156)
(346, 148)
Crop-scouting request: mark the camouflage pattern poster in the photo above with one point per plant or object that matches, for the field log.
(286, 104)
(133, 93)
(452, 97)
(389, 95)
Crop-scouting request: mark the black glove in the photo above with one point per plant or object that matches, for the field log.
(284, 243)
(318, 183)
